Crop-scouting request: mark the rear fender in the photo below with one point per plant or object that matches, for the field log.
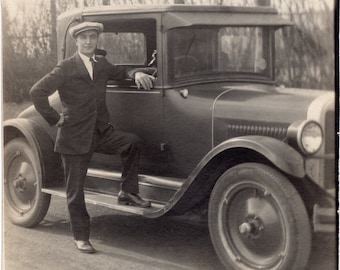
(42, 147)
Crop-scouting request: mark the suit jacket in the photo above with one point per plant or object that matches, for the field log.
(83, 101)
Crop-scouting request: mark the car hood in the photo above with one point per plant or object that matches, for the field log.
(253, 104)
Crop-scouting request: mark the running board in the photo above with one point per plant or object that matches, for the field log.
(109, 201)
(158, 189)
(168, 182)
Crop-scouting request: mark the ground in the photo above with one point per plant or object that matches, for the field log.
(127, 242)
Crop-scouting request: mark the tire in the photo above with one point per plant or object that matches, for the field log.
(257, 220)
(25, 204)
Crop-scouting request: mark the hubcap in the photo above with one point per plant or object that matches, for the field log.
(252, 227)
(20, 183)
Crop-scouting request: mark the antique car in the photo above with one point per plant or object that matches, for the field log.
(220, 137)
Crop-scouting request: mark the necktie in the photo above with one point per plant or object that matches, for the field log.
(93, 61)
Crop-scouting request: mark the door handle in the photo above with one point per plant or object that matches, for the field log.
(184, 93)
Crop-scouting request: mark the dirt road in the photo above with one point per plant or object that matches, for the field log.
(126, 242)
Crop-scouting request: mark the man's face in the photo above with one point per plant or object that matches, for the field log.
(87, 42)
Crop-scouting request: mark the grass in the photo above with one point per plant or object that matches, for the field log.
(11, 109)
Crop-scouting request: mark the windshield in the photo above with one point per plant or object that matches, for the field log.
(221, 51)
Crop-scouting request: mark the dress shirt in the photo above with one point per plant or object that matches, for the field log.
(87, 62)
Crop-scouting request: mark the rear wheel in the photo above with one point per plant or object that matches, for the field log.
(257, 220)
(25, 204)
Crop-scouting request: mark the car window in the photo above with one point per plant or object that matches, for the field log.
(242, 49)
(124, 48)
(218, 50)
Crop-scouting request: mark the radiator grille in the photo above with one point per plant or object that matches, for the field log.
(329, 170)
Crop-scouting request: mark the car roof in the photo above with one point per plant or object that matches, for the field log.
(143, 8)
(186, 15)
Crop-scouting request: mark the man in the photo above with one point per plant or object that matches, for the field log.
(84, 124)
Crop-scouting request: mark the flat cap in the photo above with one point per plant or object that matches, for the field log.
(84, 26)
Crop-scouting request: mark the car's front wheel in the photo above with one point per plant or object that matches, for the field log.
(25, 204)
(257, 220)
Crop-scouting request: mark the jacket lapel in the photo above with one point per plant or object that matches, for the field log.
(80, 66)
(97, 68)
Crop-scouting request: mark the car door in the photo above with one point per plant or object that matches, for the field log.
(139, 112)
(134, 110)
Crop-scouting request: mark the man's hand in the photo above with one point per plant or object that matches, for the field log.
(144, 80)
(61, 120)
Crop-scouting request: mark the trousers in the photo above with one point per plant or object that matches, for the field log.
(110, 142)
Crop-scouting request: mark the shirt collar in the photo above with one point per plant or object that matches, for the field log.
(86, 58)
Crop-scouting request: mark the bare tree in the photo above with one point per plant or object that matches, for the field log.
(305, 53)
(53, 46)
(263, 2)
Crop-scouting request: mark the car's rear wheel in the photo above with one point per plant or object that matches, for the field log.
(25, 204)
(257, 220)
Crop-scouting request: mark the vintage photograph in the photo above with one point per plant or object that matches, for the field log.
(170, 135)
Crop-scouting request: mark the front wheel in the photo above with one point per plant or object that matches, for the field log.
(25, 204)
(257, 220)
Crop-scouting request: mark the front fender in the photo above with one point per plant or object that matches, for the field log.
(42, 147)
(198, 185)
(277, 152)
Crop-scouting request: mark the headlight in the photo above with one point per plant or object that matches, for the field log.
(308, 136)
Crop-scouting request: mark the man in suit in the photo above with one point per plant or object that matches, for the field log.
(84, 124)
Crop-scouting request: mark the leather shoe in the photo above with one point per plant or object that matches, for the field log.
(132, 199)
(84, 246)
